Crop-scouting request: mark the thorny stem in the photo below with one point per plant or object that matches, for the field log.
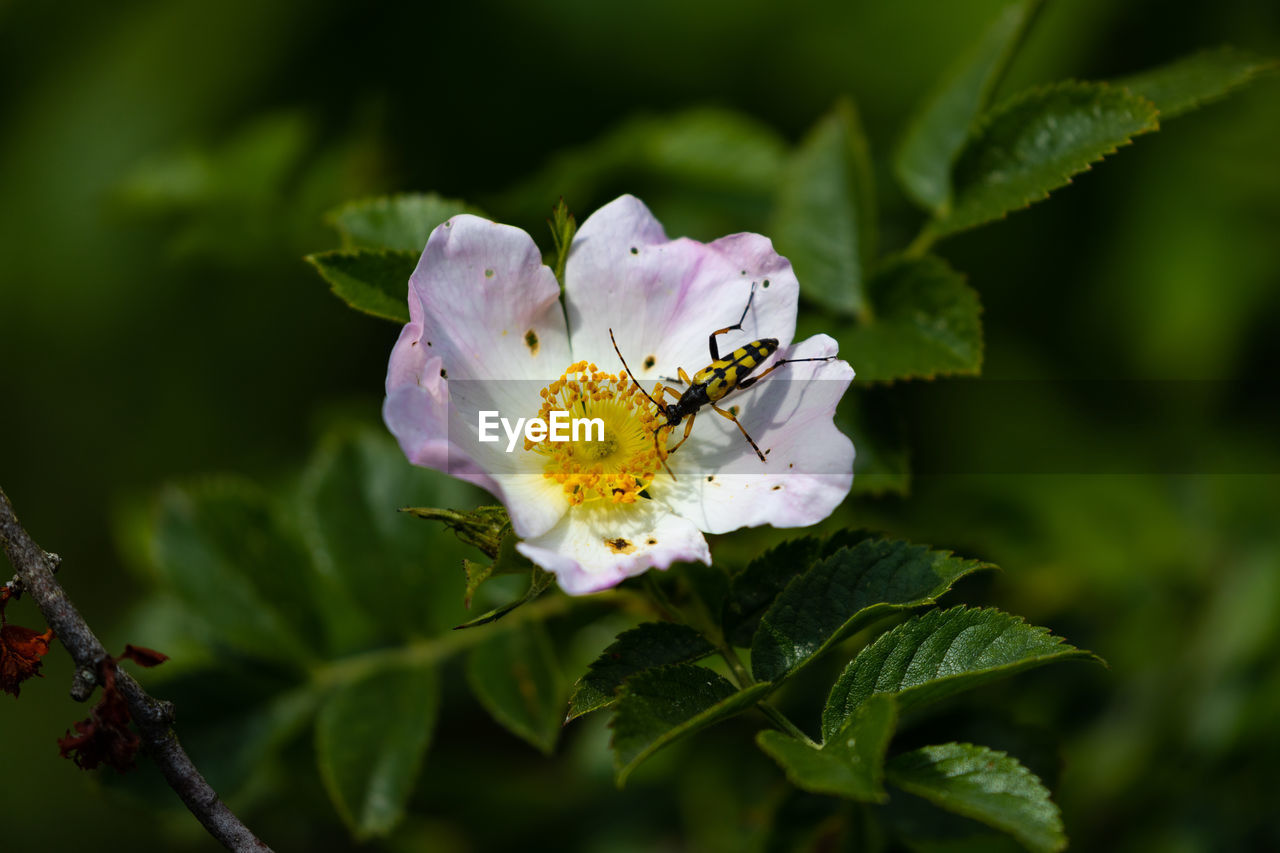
(154, 718)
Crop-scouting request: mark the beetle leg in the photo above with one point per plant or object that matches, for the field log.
(731, 416)
(688, 427)
(711, 341)
(752, 380)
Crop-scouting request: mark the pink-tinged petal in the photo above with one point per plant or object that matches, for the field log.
(482, 308)
(490, 308)
(598, 545)
(721, 484)
(663, 298)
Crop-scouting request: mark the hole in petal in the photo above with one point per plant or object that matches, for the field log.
(620, 545)
(649, 362)
(531, 341)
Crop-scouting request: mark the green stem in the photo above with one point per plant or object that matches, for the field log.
(921, 244)
(780, 720)
(431, 650)
(660, 600)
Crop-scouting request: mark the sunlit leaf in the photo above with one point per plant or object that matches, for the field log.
(1035, 142)
(941, 653)
(938, 130)
(986, 785)
(1196, 80)
(398, 222)
(374, 281)
(851, 764)
(843, 593)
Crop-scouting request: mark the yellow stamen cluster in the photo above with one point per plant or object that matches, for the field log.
(621, 466)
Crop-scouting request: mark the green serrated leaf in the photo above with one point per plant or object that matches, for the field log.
(385, 570)
(848, 765)
(825, 219)
(652, 644)
(398, 222)
(238, 569)
(986, 785)
(941, 653)
(938, 131)
(754, 589)
(845, 592)
(1035, 142)
(371, 736)
(659, 706)
(375, 281)
(515, 676)
(1196, 80)
(927, 323)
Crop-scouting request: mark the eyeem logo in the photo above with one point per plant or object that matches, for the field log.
(561, 428)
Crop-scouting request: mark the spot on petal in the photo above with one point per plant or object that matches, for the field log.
(620, 545)
(710, 477)
(651, 541)
(488, 273)
(634, 250)
(766, 283)
(649, 362)
(444, 374)
(531, 341)
(775, 488)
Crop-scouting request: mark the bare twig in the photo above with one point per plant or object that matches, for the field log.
(153, 717)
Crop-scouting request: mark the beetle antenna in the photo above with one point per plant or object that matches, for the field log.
(661, 408)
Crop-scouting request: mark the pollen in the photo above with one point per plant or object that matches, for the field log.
(620, 467)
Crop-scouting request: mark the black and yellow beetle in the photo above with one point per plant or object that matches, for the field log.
(713, 382)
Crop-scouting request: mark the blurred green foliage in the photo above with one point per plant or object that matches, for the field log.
(164, 168)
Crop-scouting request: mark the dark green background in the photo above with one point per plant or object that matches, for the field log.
(156, 321)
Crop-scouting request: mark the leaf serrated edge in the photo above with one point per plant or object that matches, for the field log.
(317, 259)
(746, 697)
(1259, 66)
(574, 713)
(934, 232)
(871, 612)
(938, 798)
(903, 258)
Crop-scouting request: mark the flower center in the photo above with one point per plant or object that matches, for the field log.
(620, 466)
